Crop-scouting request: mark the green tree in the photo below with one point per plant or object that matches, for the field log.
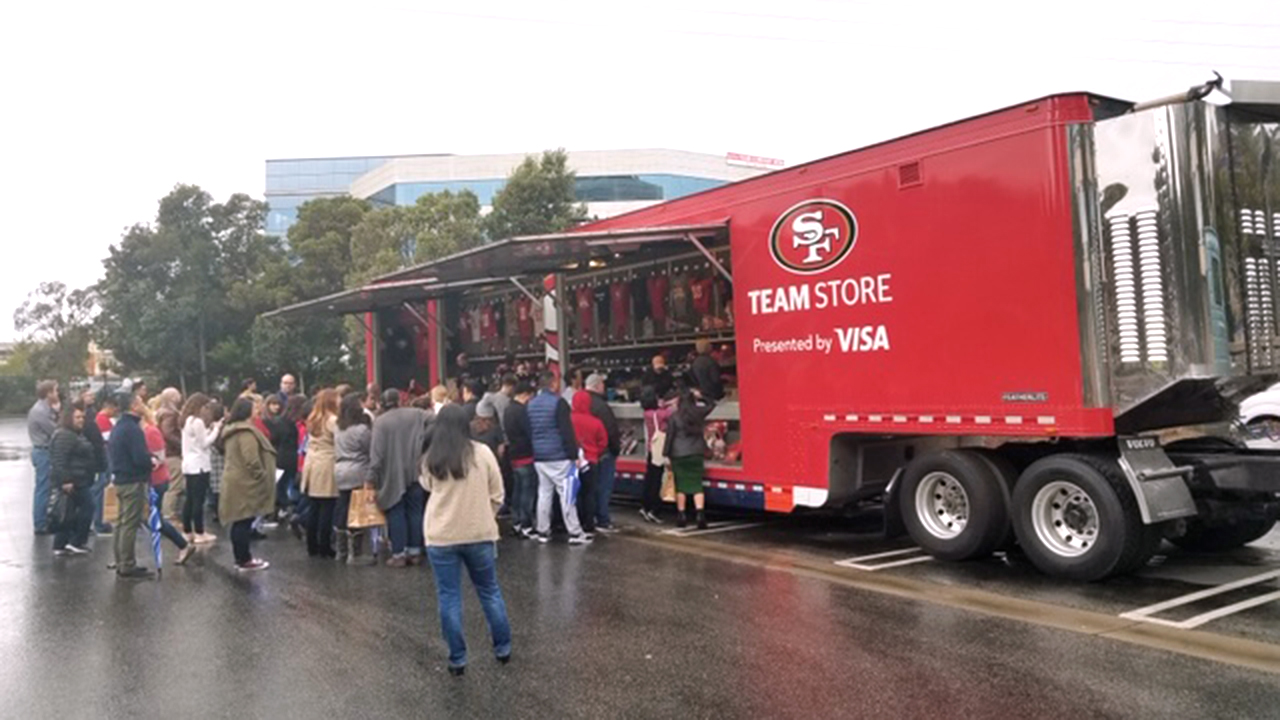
(538, 198)
(56, 322)
(179, 296)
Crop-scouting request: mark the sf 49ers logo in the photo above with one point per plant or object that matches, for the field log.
(813, 236)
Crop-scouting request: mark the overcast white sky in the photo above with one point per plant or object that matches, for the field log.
(107, 105)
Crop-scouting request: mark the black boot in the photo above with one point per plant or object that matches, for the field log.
(702, 520)
(682, 520)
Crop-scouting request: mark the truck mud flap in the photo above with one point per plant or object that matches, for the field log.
(1159, 486)
(894, 527)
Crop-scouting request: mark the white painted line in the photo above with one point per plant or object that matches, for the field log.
(862, 562)
(1144, 614)
(878, 556)
(1199, 620)
(711, 528)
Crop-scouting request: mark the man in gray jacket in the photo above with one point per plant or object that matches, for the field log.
(395, 454)
(42, 421)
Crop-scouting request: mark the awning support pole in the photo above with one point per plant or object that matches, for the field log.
(715, 262)
(368, 328)
(523, 289)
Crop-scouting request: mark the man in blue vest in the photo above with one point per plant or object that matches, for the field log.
(555, 452)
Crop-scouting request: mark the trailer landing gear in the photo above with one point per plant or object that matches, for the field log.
(954, 505)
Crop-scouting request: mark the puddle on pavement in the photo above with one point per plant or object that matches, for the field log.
(12, 452)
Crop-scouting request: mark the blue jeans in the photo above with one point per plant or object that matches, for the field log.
(40, 506)
(606, 471)
(480, 560)
(404, 521)
(99, 487)
(524, 495)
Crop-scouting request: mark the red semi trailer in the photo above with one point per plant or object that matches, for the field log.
(1031, 324)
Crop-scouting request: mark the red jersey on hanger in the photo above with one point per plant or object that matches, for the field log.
(658, 285)
(524, 318)
(586, 310)
(620, 299)
(700, 290)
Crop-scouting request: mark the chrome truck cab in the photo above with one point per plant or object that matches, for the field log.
(1178, 232)
(1177, 241)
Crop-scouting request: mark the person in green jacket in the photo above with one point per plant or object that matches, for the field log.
(248, 481)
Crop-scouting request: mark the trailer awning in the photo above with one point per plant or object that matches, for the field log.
(538, 254)
(502, 261)
(371, 297)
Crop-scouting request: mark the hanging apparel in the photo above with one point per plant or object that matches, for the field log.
(488, 330)
(680, 310)
(640, 296)
(524, 318)
(658, 285)
(500, 318)
(700, 290)
(464, 325)
(600, 296)
(477, 334)
(620, 301)
(539, 320)
(585, 310)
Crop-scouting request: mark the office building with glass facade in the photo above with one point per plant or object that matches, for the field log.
(610, 182)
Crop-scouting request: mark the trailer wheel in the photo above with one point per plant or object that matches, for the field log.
(953, 505)
(1076, 517)
(1217, 538)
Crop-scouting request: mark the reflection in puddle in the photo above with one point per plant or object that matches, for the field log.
(12, 452)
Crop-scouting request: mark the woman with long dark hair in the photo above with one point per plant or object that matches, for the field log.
(247, 480)
(198, 433)
(687, 449)
(282, 420)
(465, 486)
(318, 480)
(351, 468)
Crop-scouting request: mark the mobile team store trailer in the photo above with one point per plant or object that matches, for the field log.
(1032, 324)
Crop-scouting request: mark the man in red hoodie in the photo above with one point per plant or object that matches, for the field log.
(594, 441)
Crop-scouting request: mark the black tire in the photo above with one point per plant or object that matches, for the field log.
(1218, 538)
(986, 515)
(1122, 543)
(1007, 474)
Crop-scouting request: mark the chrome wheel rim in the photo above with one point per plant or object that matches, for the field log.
(1065, 519)
(942, 505)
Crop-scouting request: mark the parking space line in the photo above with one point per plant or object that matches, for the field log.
(711, 528)
(1145, 614)
(862, 561)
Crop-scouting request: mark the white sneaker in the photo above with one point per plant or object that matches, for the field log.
(77, 550)
(606, 529)
(63, 552)
(543, 538)
(204, 538)
(254, 564)
(583, 539)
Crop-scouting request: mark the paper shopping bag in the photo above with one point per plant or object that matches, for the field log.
(364, 512)
(110, 505)
(668, 485)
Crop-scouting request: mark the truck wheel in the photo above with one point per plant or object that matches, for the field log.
(1217, 538)
(1007, 474)
(953, 506)
(1076, 518)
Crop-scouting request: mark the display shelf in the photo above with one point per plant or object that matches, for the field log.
(651, 344)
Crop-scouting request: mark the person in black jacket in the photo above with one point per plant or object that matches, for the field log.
(131, 466)
(282, 424)
(686, 449)
(73, 465)
(706, 372)
(524, 485)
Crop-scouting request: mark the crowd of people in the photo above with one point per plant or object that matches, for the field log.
(441, 466)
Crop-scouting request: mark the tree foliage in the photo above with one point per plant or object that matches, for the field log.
(179, 296)
(538, 198)
(55, 323)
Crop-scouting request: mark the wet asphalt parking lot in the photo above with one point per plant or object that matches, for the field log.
(764, 616)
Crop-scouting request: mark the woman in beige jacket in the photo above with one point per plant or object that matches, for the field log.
(466, 491)
(318, 474)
